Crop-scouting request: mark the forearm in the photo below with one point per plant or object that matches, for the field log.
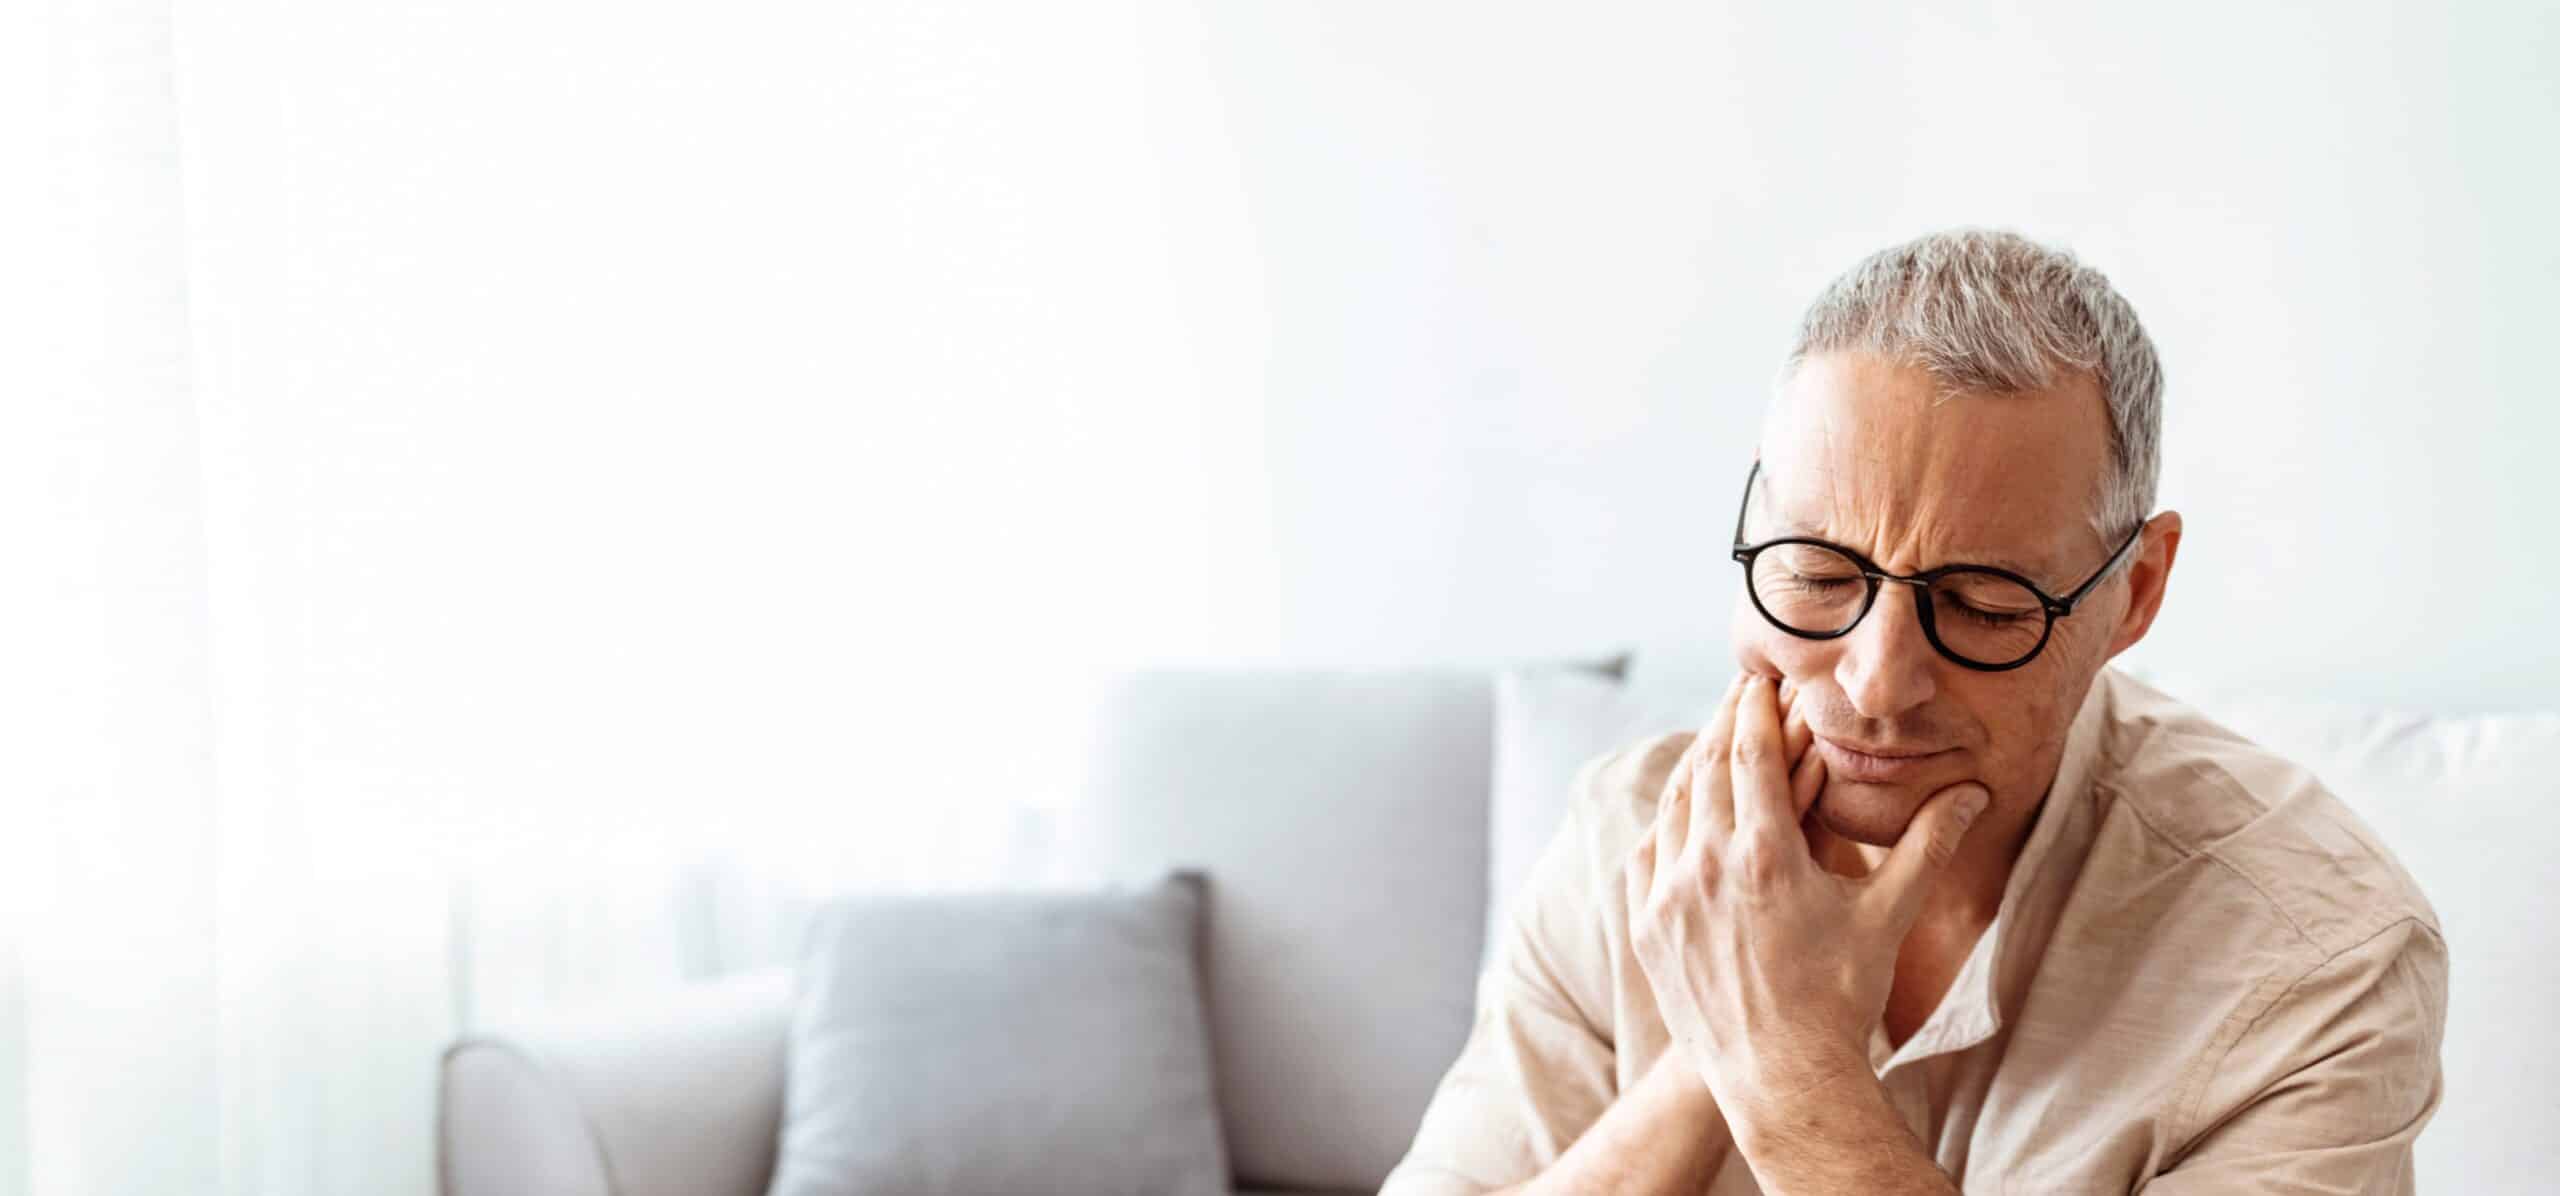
(1663, 1136)
(1840, 1136)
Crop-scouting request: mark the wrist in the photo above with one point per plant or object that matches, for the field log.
(1673, 1080)
(1778, 1089)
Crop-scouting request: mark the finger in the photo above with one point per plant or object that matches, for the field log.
(1806, 784)
(1679, 799)
(1761, 792)
(1639, 878)
(1799, 732)
(1927, 847)
(1710, 782)
(1671, 822)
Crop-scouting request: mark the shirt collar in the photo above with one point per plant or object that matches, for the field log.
(1996, 971)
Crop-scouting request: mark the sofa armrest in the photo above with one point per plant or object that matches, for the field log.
(679, 1097)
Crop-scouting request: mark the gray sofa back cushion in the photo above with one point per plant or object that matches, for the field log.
(1340, 819)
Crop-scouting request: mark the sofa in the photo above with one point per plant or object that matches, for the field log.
(1342, 819)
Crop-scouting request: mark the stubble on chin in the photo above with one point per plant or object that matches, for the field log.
(1839, 853)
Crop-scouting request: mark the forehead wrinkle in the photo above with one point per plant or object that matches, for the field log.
(1861, 484)
(1782, 522)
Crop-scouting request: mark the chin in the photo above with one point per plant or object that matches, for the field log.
(1875, 815)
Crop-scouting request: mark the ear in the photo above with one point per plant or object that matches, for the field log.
(2149, 577)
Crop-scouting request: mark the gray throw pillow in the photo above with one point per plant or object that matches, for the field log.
(986, 1044)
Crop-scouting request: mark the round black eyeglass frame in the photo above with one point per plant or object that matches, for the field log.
(1920, 583)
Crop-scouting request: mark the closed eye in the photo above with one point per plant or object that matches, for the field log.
(1990, 617)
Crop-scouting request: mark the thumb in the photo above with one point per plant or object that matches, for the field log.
(1928, 845)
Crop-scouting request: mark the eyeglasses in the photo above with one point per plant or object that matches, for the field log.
(1994, 620)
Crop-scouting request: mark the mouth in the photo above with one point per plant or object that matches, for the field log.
(1878, 765)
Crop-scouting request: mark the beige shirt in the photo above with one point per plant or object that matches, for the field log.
(2205, 975)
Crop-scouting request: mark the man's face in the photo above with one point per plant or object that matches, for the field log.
(1860, 451)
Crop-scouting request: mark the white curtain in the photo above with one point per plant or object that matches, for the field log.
(505, 504)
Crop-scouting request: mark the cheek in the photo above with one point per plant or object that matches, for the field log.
(2075, 656)
(2015, 715)
(1760, 648)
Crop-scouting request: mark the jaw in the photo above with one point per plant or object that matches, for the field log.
(1838, 854)
(1861, 812)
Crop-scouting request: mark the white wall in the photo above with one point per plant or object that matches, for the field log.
(1517, 282)
(611, 405)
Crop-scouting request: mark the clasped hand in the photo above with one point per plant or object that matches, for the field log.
(1770, 970)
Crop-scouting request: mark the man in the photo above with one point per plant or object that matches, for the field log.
(1938, 902)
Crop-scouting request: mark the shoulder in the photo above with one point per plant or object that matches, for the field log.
(2221, 812)
(1578, 884)
(1616, 793)
(2233, 932)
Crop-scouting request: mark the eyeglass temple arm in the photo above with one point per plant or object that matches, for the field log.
(2072, 599)
(1744, 511)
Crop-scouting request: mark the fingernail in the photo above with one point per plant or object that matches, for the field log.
(1969, 803)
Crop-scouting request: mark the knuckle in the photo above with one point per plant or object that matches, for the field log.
(1706, 867)
(1647, 925)
(1757, 860)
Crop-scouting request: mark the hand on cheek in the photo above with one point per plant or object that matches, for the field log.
(1768, 970)
(1804, 767)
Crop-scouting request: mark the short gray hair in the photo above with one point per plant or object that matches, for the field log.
(1989, 310)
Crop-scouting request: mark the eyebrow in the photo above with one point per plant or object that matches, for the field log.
(2038, 571)
(1770, 509)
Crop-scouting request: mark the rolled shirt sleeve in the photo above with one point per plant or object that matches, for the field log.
(1539, 1065)
(2326, 1090)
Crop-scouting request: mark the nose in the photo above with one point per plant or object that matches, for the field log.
(1888, 666)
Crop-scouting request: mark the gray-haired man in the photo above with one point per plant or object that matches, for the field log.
(1939, 902)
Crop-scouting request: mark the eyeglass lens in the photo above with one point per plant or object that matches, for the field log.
(1982, 617)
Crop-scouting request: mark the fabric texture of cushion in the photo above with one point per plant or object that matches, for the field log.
(1340, 818)
(1032, 1042)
